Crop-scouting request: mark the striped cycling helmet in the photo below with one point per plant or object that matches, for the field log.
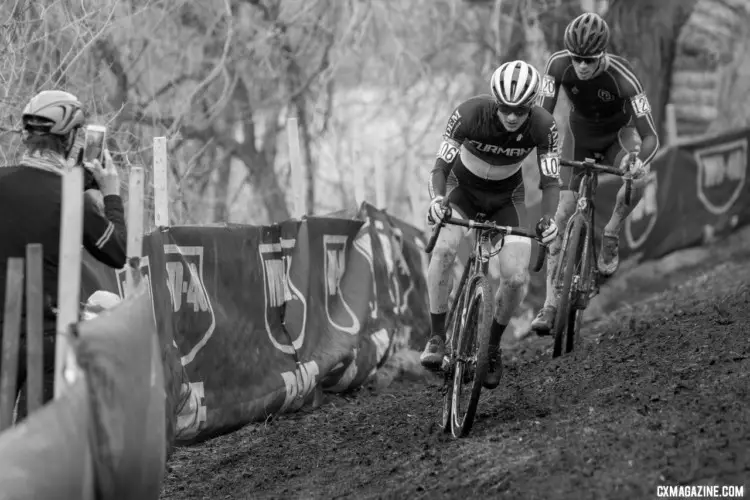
(515, 83)
(53, 112)
(587, 35)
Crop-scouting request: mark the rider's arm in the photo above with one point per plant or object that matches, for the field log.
(551, 81)
(547, 138)
(636, 103)
(447, 153)
(105, 236)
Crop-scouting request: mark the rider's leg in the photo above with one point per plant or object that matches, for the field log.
(565, 209)
(542, 323)
(513, 270)
(609, 261)
(440, 277)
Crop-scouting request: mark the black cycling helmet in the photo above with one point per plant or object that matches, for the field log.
(587, 35)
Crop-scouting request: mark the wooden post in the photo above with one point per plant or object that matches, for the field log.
(68, 296)
(161, 183)
(135, 228)
(380, 185)
(11, 337)
(670, 122)
(34, 328)
(360, 189)
(69, 277)
(297, 169)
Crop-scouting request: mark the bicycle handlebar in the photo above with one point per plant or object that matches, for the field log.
(590, 165)
(490, 226)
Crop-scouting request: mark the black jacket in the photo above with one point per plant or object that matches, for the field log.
(30, 207)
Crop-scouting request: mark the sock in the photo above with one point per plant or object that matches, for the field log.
(496, 332)
(438, 324)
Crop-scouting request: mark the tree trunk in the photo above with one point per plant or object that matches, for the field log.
(554, 17)
(221, 188)
(645, 32)
(260, 164)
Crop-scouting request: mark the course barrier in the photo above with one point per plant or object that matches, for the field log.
(233, 323)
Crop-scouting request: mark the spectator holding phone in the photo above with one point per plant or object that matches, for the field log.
(30, 204)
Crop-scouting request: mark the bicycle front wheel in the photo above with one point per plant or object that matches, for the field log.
(472, 360)
(453, 328)
(566, 314)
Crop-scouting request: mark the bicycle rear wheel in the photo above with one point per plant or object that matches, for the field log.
(472, 360)
(565, 320)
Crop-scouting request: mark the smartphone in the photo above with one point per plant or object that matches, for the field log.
(93, 146)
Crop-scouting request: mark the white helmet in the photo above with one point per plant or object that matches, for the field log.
(515, 83)
(53, 112)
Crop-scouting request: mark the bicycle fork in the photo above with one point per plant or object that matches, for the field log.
(477, 265)
(585, 280)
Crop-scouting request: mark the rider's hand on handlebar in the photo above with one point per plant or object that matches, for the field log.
(437, 211)
(546, 230)
(633, 165)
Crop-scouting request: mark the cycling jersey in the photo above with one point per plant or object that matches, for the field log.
(481, 153)
(603, 104)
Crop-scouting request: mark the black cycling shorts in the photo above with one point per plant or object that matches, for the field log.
(581, 142)
(504, 203)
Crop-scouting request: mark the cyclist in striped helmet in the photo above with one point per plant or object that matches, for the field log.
(609, 117)
(478, 169)
(31, 202)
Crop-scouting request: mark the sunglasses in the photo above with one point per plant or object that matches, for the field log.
(514, 110)
(585, 59)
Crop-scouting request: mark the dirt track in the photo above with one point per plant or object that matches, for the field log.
(656, 394)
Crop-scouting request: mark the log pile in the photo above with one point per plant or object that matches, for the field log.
(705, 67)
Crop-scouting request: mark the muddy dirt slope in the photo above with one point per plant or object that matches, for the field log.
(657, 393)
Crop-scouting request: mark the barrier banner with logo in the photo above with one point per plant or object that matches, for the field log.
(397, 316)
(400, 269)
(252, 318)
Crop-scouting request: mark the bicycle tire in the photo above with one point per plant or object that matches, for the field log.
(453, 327)
(478, 319)
(574, 325)
(564, 307)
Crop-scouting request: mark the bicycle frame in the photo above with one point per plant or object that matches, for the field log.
(469, 319)
(585, 211)
(477, 265)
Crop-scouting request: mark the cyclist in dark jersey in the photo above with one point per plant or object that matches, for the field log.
(478, 168)
(610, 120)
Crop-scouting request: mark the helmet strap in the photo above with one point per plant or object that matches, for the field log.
(601, 65)
(73, 146)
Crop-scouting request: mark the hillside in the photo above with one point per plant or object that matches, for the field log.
(657, 394)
